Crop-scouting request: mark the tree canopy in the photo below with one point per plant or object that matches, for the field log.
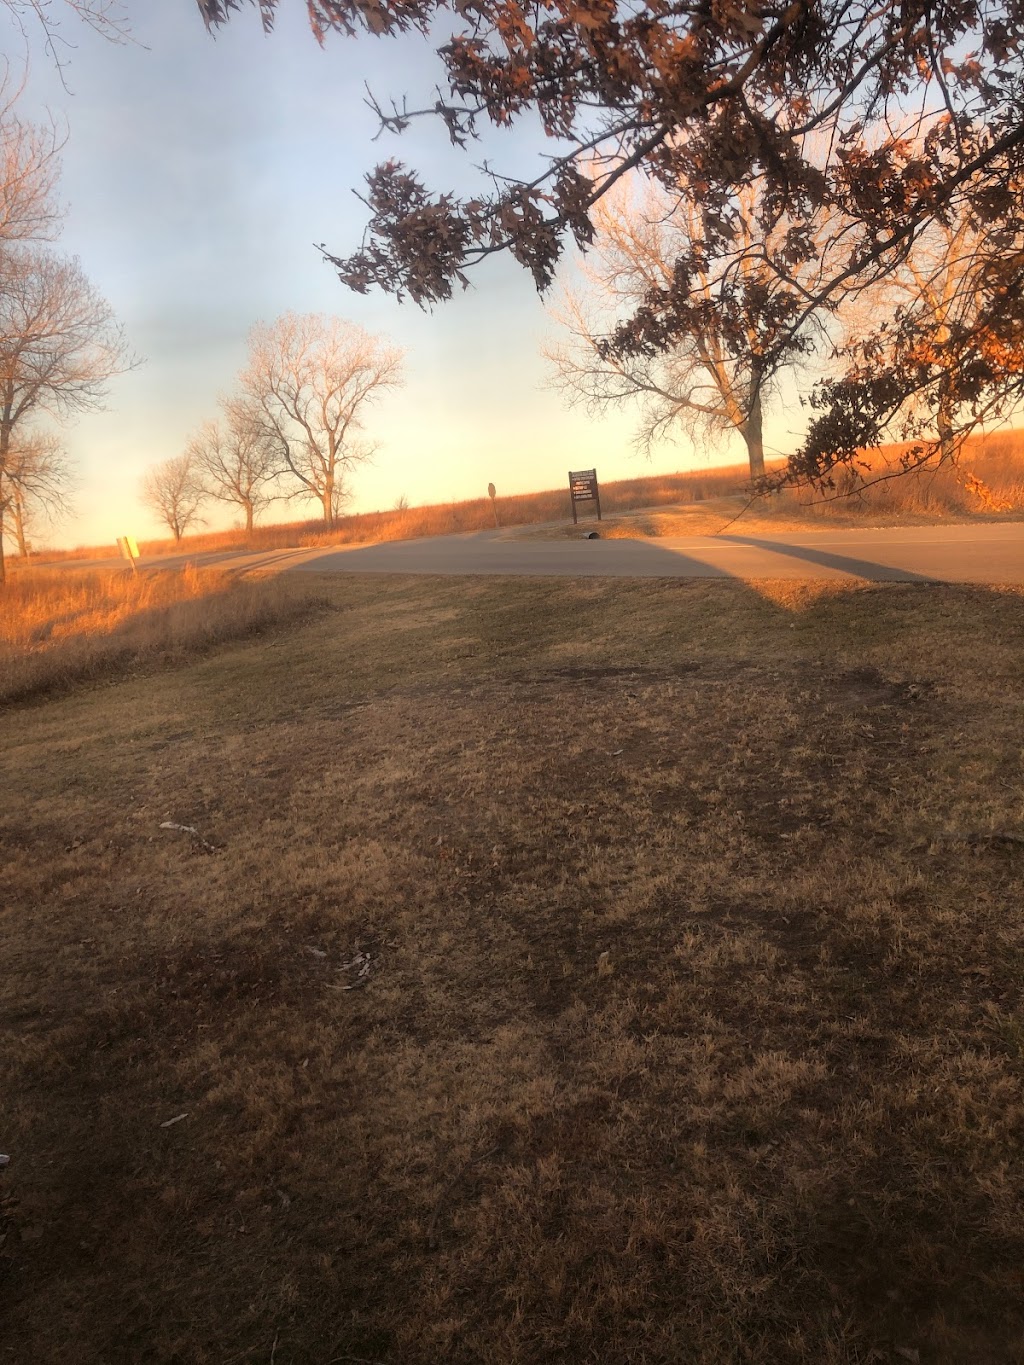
(237, 459)
(723, 369)
(173, 491)
(59, 341)
(884, 119)
(309, 379)
(106, 17)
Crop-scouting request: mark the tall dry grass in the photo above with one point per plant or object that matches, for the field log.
(59, 627)
(987, 480)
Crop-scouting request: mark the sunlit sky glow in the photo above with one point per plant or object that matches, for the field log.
(198, 176)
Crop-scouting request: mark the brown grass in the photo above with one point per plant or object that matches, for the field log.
(440, 519)
(57, 628)
(987, 483)
(990, 482)
(691, 1025)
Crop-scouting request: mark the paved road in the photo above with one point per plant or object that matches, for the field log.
(978, 553)
(991, 553)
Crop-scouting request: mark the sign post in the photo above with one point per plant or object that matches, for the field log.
(583, 488)
(129, 550)
(492, 493)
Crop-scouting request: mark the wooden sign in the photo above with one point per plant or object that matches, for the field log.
(583, 488)
(492, 493)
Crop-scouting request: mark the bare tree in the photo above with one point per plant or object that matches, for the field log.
(237, 459)
(43, 17)
(59, 347)
(174, 491)
(59, 342)
(722, 366)
(310, 376)
(40, 482)
(106, 16)
(29, 167)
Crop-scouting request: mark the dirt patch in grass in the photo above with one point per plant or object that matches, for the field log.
(599, 971)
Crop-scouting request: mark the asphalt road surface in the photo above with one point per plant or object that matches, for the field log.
(977, 553)
(992, 553)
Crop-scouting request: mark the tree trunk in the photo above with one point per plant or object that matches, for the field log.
(248, 517)
(327, 499)
(5, 449)
(19, 523)
(751, 433)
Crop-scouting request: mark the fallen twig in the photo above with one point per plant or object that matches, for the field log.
(432, 1238)
(190, 829)
(360, 963)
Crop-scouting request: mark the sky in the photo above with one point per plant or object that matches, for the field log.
(198, 175)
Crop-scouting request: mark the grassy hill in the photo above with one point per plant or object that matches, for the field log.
(522, 971)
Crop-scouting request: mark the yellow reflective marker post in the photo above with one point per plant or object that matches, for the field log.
(129, 550)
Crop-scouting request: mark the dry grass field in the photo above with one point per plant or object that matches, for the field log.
(988, 482)
(59, 628)
(611, 972)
